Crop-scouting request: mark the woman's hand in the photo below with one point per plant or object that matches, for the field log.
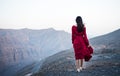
(88, 45)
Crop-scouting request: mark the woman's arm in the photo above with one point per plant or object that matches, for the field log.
(73, 33)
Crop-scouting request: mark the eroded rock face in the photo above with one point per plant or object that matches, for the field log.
(17, 46)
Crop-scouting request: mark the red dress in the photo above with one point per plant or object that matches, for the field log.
(80, 43)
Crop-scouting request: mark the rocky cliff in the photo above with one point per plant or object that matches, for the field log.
(21, 47)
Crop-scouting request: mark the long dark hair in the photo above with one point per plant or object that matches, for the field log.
(80, 24)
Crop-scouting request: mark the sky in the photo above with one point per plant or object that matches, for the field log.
(99, 16)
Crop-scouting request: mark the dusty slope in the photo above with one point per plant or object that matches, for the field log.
(62, 64)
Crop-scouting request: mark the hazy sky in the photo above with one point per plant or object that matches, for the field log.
(99, 16)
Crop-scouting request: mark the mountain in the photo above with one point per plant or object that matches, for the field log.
(19, 48)
(21, 52)
(109, 42)
(105, 60)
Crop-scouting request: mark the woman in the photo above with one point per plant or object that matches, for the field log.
(80, 43)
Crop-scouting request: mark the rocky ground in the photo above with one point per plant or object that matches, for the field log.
(63, 64)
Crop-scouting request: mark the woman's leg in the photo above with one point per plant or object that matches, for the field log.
(80, 64)
(77, 64)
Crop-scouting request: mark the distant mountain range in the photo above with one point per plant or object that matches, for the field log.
(24, 46)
